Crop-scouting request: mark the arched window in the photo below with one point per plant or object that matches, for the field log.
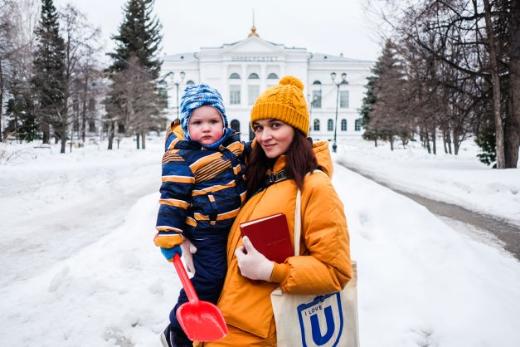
(272, 76)
(235, 125)
(253, 76)
(190, 83)
(316, 94)
(234, 76)
(316, 125)
(330, 125)
(343, 125)
(357, 124)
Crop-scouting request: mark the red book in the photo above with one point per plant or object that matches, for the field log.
(270, 236)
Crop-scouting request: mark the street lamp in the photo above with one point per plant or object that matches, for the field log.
(177, 82)
(338, 84)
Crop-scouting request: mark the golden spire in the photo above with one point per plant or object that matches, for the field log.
(253, 28)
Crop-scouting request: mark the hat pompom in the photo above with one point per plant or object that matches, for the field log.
(290, 80)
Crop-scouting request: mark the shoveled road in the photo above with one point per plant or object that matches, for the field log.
(506, 232)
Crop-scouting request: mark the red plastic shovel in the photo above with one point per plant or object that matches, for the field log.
(200, 320)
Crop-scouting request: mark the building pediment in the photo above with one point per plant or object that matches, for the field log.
(253, 44)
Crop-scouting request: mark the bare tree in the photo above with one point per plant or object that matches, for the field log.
(134, 102)
(17, 22)
(475, 48)
(81, 71)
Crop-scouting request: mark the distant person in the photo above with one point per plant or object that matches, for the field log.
(201, 193)
(282, 161)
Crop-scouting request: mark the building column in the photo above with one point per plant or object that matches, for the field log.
(243, 91)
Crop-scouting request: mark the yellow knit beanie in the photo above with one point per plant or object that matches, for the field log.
(285, 102)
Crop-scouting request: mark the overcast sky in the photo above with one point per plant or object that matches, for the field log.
(325, 26)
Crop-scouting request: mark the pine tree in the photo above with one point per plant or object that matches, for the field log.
(22, 122)
(368, 102)
(136, 54)
(385, 116)
(139, 36)
(49, 74)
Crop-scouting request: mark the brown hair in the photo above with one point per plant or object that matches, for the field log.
(300, 161)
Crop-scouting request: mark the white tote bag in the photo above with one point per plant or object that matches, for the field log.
(316, 320)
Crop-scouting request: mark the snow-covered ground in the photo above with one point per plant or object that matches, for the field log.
(79, 267)
(461, 180)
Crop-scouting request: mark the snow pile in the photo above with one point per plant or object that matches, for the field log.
(420, 282)
(461, 180)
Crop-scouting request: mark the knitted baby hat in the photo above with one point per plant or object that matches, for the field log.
(285, 102)
(198, 95)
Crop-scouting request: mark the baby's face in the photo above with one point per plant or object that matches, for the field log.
(205, 125)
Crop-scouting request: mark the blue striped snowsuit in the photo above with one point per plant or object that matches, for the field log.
(201, 193)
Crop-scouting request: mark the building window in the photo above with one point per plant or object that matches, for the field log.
(316, 125)
(252, 94)
(253, 76)
(272, 76)
(357, 124)
(330, 125)
(190, 82)
(234, 76)
(316, 94)
(343, 99)
(343, 125)
(235, 125)
(316, 99)
(234, 95)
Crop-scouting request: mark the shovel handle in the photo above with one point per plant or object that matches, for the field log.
(185, 280)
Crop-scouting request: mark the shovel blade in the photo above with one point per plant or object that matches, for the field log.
(202, 321)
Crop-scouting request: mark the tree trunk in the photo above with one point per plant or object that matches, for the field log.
(427, 142)
(111, 134)
(434, 140)
(137, 141)
(448, 139)
(445, 141)
(375, 141)
(84, 113)
(63, 141)
(1, 100)
(391, 138)
(144, 141)
(46, 130)
(456, 142)
(495, 82)
(83, 121)
(512, 131)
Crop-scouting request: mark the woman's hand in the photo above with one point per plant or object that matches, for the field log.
(253, 264)
(188, 249)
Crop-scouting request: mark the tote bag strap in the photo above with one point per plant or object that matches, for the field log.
(297, 222)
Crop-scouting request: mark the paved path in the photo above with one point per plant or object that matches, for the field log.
(508, 233)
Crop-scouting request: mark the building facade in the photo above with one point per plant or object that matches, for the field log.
(243, 69)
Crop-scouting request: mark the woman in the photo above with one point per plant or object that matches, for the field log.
(283, 161)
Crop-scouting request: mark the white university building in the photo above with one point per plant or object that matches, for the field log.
(243, 69)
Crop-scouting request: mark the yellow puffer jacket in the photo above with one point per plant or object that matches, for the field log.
(323, 267)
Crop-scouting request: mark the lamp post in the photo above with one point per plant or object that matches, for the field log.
(338, 85)
(177, 82)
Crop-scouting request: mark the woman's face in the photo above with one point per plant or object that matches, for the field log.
(274, 136)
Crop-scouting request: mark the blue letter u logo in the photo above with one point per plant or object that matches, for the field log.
(316, 333)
